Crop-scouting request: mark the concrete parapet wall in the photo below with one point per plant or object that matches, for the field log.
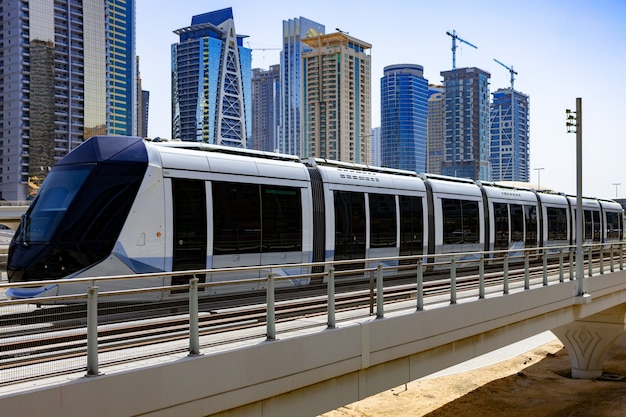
(310, 374)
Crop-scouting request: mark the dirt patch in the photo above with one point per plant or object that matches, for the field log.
(537, 382)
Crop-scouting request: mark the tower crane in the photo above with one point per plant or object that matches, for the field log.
(454, 39)
(262, 49)
(513, 73)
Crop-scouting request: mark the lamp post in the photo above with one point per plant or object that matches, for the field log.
(574, 124)
(616, 184)
(538, 178)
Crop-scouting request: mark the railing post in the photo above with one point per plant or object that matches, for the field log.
(453, 281)
(545, 268)
(420, 286)
(92, 331)
(481, 276)
(194, 325)
(590, 262)
(371, 292)
(380, 311)
(505, 276)
(602, 260)
(621, 257)
(527, 270)
(271, 308)
(571, 265)
(561, 273)
(612, 264)
(331, 298)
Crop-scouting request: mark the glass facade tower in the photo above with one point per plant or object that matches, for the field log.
(436, 134)
(211, 82)
(510, 136)
(68, 73)
(122, 67)
(290, 131)
(466, 146)
(404, 115)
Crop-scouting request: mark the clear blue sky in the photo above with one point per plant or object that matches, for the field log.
(561, 49)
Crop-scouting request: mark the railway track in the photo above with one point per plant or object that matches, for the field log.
(34, 338)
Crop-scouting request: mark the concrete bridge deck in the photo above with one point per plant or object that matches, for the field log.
(307, 372)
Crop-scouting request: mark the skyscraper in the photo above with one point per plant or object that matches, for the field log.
(466, 147)
(290, 133)
(68, 73)
(510, 136)
(336, 101)
(436, 133)
(265, 108)
(143, 107)
(375, 147)
(121, 67)
(211, 82)
(404, 112)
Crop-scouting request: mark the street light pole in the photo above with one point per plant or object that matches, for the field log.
(575, 121)
(538, 178)
(616, 184)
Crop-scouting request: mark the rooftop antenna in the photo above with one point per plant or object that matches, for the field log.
(454, 39)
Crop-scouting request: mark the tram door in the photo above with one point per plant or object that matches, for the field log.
(349, 228)
(501, 226)
(190, 228)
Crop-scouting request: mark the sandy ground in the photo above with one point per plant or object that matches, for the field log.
(536, 384)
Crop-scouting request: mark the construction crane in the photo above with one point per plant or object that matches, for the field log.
(454, 39)
(262, 49)
(513, 73)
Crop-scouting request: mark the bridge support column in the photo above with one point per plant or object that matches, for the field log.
(588, 340)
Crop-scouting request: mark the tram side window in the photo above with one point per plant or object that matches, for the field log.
(613, 226)
(251, 218)
(460, 221)
(517, 222)
(557, 223)
(382, 220)
(411, 226)
(530, 216)
(281, 219)
(236, 218)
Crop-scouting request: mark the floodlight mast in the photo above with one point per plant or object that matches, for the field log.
(454, 39)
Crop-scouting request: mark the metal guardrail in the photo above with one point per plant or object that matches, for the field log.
(520, 259)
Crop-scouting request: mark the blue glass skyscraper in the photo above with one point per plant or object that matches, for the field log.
(121, 68)
(510, 136)
(290, 131)
(404, 114)
(211, 82)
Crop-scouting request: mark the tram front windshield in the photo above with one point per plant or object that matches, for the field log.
(55, 196)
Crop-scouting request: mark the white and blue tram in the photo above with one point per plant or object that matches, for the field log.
(123, 206)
